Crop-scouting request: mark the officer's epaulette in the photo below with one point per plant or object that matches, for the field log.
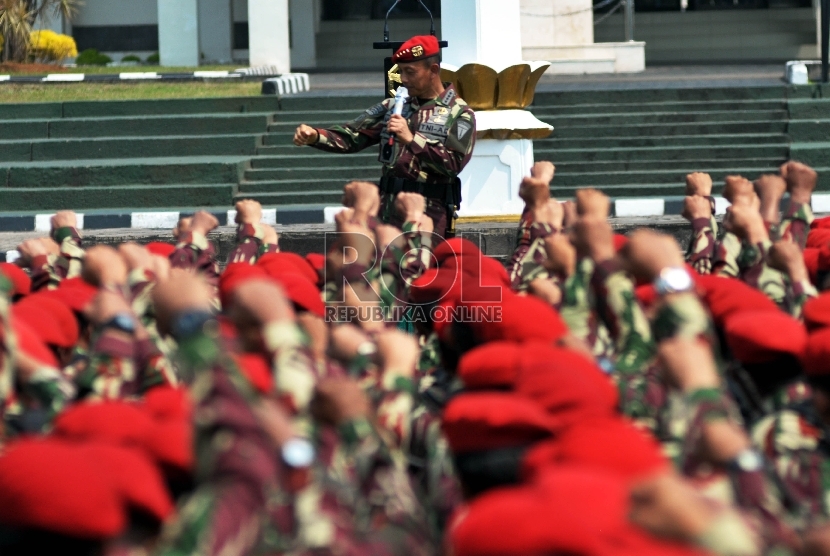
(450, 97)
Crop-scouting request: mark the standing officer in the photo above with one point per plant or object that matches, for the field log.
(432, 140)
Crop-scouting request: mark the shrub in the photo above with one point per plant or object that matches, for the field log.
(130, 58)
(48, 46)
(154, 58)
(91, 57)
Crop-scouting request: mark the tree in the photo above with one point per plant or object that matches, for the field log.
(17, 18)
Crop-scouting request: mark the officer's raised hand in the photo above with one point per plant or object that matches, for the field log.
(400, 127)
(305, 135)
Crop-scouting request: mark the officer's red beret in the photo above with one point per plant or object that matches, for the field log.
(568, 384)
(59, 487)
(29, 342)
(112, 422)
(620, 241)
(160, 248)
(820, 223)
(302, 293)
(816, 312)
(811, 261)
(725, 296)
(171, 442)
(568, 510)
(762, 336)
(612, 445)
(475, 265)
(75, 293)
(494, 365)
(234, 275)
(21, 283)
(817, 354)
(416, 48)
(137, 479)
(818, 237)
(275, 264)
(482, 421)
(257, 370)
(646, 294)
(50, 318)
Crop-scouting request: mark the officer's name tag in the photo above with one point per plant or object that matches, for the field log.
(433, 129)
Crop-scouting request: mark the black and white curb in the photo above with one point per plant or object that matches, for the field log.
(290, 83)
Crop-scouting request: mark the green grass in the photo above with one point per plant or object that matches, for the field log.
(158, 69)
(37, 92)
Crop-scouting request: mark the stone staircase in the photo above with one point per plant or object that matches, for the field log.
(179, 155)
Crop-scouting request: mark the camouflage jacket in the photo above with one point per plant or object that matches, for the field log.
(250, 244)
(444, 130)
(48, 271)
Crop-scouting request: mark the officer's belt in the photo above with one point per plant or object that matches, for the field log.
(394, 186)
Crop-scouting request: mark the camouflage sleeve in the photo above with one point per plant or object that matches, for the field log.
(529, 267)
(250, 244)
(727, 251)
(356, 135)
(682, 315)
(576, 303)
(416, 258)
(522, 245)
(237, 467)
(759, 275)
(154, 368)
(796, 223)
(195, 252)
(70, 259)
(111, 372)
(434, 157)
(800, 293)
(701, 251)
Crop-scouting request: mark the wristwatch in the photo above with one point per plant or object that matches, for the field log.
(673, 279)
(123, 322)
(297, 453)
(189, 323)
(747, 461)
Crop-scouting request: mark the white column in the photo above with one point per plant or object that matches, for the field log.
(178, 32)
(484, 31)
(215, 30)
(303, 33)
(268, 35)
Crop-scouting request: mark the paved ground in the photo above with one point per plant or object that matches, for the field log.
(657, 77)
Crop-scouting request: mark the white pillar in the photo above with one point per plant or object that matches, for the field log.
(215, 30)
(268, 34)
(178, 32)
(303, 33)
(484, 31)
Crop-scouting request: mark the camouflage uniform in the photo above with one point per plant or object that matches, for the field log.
(195, 252)
(250, 244)
(444, 131)
(47, 271)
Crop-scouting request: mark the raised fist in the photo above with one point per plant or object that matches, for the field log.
(593, 203)
(737, 187)
(695, 207)
(363, 197)
(594, 238)
(305, 135)
(561, 255)
(699, 183)
(64, 219)
(204, 223)
(647, 253)
(248, 211)
(801, 181)
(550, 213)
(544, 171)
(534, 192)
(104, 266)
(410, 205)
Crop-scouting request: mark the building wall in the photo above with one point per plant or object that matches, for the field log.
(118, 27)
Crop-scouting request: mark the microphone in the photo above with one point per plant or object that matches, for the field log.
(400, 99)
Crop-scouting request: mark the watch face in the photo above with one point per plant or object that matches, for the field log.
(749, 460)
(678, 279)
(298, 452)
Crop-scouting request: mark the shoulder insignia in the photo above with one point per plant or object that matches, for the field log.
(449, 97)
(464, 128)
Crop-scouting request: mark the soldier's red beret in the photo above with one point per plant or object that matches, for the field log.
(521, 319)
(318, 263)
(494, 365)
(257, 370)
(816, 312)
(277, 263)
(417, 48)
(818, 237)
(171, 443)
(29, 342)
(481, 421)
(612, 445)
(302, 293)
(455, 247)
(567, 510)
(817, 354)
(75, 293)
(811, 261)
(762, 336)
(725, 296)
(234, 275)
(21, 283)
(160, 248)
(568, 384)
(620, 241)
(473, 265)
(50, 318)
(57, 486)
(434, 285)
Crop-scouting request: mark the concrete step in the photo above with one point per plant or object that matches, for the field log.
(690, 153)
(320, 172)
(594, 179)
(190, 125)
(226, 105)
(671, 141)
(648, 96)
(687, 129)
(306, 158)
(680, 166)
(577, 66)
(116, 196)
(668, 106)
(324, 196)
(143, 147)
(303, 185)
(109, 173)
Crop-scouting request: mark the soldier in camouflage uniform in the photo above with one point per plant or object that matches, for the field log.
(424, 149)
